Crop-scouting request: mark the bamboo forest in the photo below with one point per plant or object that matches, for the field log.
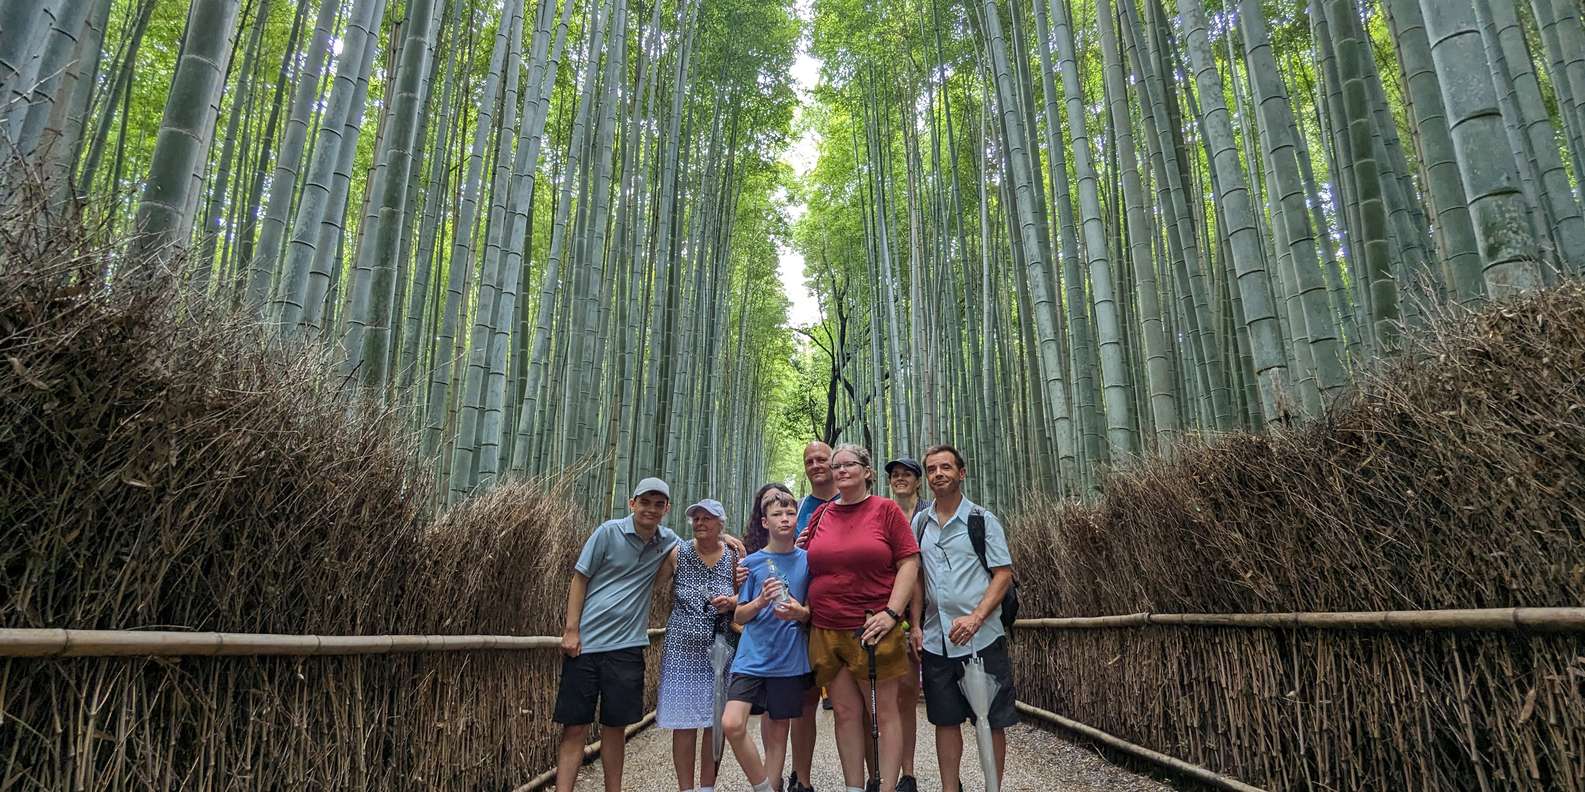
(338, 318)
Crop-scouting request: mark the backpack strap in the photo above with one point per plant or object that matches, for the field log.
(977, 536)
(919, 527)
(814, 520)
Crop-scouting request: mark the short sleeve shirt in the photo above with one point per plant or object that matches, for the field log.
(621, 568)
(773, 647)
(806, 509)
(954, 580)
(853, 560)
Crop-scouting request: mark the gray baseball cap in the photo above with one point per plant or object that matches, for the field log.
(649, 485)
(710, 506)
(905, 462)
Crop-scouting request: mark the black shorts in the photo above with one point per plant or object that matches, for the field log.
(614, 679)
(945, 704)
(780, 697)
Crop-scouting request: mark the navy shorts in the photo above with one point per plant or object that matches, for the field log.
(614, 680)
(780, 697)
(945, 704)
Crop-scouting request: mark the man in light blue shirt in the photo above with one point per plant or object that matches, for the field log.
(605, 635)
(960, 607)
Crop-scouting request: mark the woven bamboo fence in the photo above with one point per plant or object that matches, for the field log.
(165, 470)
(1452, 482)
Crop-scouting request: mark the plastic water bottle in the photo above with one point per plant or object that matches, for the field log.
(783, 596)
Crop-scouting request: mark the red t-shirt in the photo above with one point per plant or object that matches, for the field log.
(853, 559)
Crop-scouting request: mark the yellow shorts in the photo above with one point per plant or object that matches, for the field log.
(830, 651)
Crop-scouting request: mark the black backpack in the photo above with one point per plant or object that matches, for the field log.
(977, 538)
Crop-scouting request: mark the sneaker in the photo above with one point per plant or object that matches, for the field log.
(794, 786)
(825, 703)
(907, 784)
(873, 785)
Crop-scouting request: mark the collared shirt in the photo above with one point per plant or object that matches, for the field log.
(621, 567)
(954, 580)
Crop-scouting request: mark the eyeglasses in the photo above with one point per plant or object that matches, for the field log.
(846, 465)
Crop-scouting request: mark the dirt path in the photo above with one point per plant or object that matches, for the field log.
(1037, 760)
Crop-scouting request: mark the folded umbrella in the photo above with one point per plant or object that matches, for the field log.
(980, 688)
(720, 659)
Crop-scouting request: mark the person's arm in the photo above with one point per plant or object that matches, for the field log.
(916, 602)
(589, 558)
(916, 614)
(735, 543)
(663, 578)
(571, 641)
(964, 627)
(903, 589)
(746, 611)
(881, 623)
(905, 552)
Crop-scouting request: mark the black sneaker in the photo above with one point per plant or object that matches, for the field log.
(907, 784)
(825, 703)
(873, 785)
(794, 786)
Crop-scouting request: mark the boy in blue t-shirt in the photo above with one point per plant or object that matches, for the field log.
(771, 671)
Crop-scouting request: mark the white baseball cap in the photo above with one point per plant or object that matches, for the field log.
(651, 484)
(710, 506)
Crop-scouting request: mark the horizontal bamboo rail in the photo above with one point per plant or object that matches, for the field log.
(1568, 620)
(589, 752)
(168, 643)
(1185, 769)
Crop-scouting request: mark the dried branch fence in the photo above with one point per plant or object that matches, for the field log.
(163, 466)
(1387, 598)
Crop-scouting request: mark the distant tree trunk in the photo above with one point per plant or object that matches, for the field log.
(315, 259)
(164, 217)
(1506, 238)
(1238, 223)
(1163, 399)
(1121, 427)
(1374, 249)
(1456, 235)
(1271, 97)
(368, 333)
(1564, 226)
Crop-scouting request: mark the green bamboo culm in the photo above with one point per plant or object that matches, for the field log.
(165, 216)
(1503, 227)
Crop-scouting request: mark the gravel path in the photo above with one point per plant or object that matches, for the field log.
(1036, 760)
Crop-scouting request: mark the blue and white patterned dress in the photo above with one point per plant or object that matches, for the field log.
(687, 690)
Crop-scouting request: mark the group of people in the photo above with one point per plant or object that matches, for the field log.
(873, 600)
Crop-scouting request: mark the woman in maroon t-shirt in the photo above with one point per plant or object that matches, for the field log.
(863, 563)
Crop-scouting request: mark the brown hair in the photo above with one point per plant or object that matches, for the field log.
(755, 537)
(943, 448)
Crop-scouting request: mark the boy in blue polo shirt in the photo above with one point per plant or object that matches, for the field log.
(606, 632)
(771, 671)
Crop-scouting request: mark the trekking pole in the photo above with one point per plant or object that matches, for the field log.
(875, 724)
